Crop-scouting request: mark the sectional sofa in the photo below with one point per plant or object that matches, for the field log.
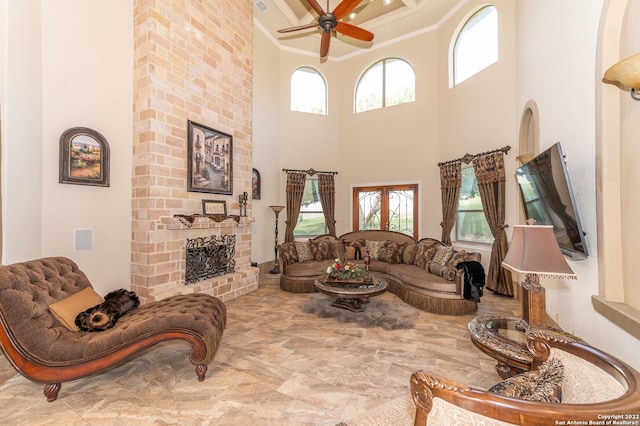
(422, 273)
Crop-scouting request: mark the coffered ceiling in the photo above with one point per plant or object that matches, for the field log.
(388, 22)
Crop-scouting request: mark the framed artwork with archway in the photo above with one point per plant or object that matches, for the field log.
(84, 157)
(210, 160)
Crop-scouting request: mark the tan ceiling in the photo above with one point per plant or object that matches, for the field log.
(386, 22)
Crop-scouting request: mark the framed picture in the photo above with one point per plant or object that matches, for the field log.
(210, 162)
(214, 207)
(84, 157)
(255, 184)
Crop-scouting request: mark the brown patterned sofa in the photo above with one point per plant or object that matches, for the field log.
(422, 273)
(44, 350)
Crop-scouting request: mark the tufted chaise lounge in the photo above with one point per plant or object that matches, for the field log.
(45, 351)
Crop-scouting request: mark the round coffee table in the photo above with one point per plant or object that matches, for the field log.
(353, 295)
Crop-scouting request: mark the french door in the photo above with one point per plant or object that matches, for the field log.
(387, 207)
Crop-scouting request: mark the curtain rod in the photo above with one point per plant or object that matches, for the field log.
(310, 172)
(467, 158)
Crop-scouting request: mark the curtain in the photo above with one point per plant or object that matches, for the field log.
(489, 171)
(327, 190)
(295, 191)
(450, 181)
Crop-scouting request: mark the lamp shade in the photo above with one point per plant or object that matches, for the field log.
(626, 72)
(534, 250)
(277, 209)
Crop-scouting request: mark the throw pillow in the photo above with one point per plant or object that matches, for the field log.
(337, 251)
(543, 384)
(357, 246)
(409, 254)
(288, 253)
(449, 271)
(104, 316)
(391, 252)
(66, 310)
(424, 253)
(320, 250)
(350, 252)
(374, 248)
(459, 256)
(304, 251)
(442, 255)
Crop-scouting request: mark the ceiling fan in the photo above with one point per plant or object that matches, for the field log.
(329, 22)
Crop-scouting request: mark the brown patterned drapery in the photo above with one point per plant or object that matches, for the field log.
(489, 171)
(450, 181)
(327, 190)
(295, 191)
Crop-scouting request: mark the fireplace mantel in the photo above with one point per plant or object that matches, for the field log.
(175, 224)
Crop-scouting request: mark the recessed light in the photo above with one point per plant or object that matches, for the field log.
(387, 2)
(353, 15)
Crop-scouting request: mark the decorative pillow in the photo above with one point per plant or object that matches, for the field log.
(357, 245)
(350, 252)
(459, 256)
(104, 316)
(391, 252)
(374, 248)
(288, 253)
(442, 255)
(337, 251)
(66, 310)
(409, 254)
(436, 268)
(424, 253)
(543, 384)
(320, 250)
(304, 251)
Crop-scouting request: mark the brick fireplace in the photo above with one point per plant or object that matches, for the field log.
(193, 61)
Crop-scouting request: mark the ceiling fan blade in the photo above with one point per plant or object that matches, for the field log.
(324, 43)
(315, 6)
(344, 8)
(353, 31)
(301, 27)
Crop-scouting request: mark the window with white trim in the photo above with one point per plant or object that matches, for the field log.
(391, 81)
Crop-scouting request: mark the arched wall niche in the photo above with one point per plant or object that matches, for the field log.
(529, 138)
(616, 152)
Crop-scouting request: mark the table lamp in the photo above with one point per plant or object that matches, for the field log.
(534, 252)
(276, 265)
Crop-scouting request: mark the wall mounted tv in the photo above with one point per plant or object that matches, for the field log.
(548, 198)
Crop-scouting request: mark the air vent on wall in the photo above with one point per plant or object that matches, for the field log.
(261, 5)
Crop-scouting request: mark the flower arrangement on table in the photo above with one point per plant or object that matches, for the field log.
(345, 270)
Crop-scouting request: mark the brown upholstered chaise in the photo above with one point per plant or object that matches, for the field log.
(45, 351)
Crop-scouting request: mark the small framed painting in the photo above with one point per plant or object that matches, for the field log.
(214, 207)
(84, 157)
(255, 184)
(210, 162)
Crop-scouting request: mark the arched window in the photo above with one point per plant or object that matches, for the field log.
(388, 82)
(308, 91)
(476, 45)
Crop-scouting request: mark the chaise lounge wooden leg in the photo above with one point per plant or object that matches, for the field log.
(201, 371)
(51, 391)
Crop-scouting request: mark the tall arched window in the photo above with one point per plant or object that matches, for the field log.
(476, 45)
(390, 81)
(308, 91)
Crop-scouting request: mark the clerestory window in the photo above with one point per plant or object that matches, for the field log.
(390, 81)
(308, 91)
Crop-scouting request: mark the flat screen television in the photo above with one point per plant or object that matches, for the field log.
(547, 196)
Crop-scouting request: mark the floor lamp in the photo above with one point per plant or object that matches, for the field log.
(276, 265)
(534, 252)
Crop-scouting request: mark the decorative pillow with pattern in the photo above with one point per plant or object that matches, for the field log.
(409, 254)
(337, 251)
(391, 252)
(304, 251)
(450, 271)
(320, 250)
(543, 384)
(288, 253)
(374, 248)
(442, 255)
(424, 253)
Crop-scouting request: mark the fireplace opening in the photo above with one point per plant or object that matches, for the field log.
(209, 257)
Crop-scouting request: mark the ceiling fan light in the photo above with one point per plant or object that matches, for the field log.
(387, 2)
(353, 15)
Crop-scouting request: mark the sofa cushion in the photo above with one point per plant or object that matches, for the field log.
(66, 310)
(424, 254)
(442, 254)
(320, 250)
(417, 277)
(308, 269)
(304, 251)
(543, 384)
(392, 252)
(409, 254)
(288, 252)
(374, 248)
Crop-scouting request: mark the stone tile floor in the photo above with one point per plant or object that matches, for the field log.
(276, 365)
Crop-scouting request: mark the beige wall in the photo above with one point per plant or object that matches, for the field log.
(70, 64)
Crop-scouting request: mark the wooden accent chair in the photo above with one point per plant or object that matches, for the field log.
(595, 385)
(45, 351)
